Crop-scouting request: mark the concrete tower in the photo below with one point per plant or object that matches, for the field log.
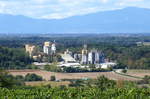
(84, 59)
(46, 48)
(94, 57)
(91, 57)
(30, 49)
(53, 48)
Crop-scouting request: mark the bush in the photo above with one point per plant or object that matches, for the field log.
(62, 87)
(33, 77)
(7, 80)
(145, 80)
(53, 78)
(104, 83)
(124, 71)
(120, 66)
(20, 78)
(76, 83)
(47, 86)
(52, 67)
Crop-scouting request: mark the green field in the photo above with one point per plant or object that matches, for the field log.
(74, 93)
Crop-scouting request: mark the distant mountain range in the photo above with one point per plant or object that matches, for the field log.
(127, 20)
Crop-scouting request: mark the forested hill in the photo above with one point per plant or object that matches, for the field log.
(127, 20)
(13, 58)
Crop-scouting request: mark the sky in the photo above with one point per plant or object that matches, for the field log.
(59, 9)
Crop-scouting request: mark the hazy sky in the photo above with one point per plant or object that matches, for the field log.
(56, 9)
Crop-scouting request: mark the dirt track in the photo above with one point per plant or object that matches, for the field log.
(46, 75)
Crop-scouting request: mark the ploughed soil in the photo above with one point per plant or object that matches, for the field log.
(91, 75)
(138, 73)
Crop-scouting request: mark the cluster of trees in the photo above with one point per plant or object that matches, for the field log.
(135, 57)
(32, 77)
(53, 68)
(14, 58)
(8, 80)
(101, 82)
(78, 69)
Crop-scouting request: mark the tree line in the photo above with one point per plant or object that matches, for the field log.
(14, 58)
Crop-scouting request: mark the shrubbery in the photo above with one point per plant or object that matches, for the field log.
(33, 77)
(145, 80)
(52, 78)
(7, 80)
(52, 68)
(14, 58)
(75, 70)
(104, 83)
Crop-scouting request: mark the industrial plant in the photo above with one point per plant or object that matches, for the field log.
(84, 59)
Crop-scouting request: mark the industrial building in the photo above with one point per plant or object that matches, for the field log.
(94, 57)
(30, 49)
(84, 58)
(46, 48)
(53, 48)
(49, 48)
(69, 61)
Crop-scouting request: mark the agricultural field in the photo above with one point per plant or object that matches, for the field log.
(138, 73)
(59, 76)
(43, 83)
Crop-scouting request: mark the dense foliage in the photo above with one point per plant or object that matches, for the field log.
(13, 58)
(7, 80)
(74, 93)
(135, 57)
(79, 70)
(52, 68)
(33, 77)
(52, 78)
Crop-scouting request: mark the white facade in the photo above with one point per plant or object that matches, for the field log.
(46, 49)
(53, 48)
(84, 59)
(107, 65)
(97, 57)
(49, 48)
(69, 65)
(90, 58)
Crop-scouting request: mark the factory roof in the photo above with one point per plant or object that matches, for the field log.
(68, 58)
